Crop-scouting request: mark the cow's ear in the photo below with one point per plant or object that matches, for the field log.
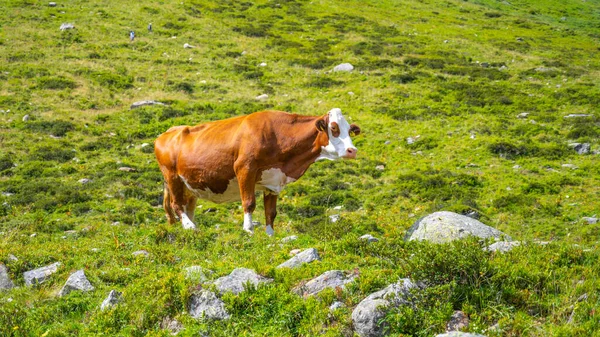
(354, 130)
(321, 125)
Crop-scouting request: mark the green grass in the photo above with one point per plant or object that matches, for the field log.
(453, 75)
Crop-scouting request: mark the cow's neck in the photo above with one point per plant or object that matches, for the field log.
(307, 142)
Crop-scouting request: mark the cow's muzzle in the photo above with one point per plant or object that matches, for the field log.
(350, 153)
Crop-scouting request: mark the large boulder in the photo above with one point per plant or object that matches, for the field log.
(40, 275)
(368, 314)
(207, 305)
(441, 227)
(238, 278)
(77, 281)
(307, 256)
(5, 281)
(330, 279)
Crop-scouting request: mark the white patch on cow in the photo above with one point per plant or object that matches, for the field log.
(248, 225)
(270, 230)
(232, 193)
(186, 222)
(273, 181)
(338, 146)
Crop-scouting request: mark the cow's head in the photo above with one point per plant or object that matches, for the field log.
(338, 132)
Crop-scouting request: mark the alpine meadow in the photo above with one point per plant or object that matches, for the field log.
(485, 110)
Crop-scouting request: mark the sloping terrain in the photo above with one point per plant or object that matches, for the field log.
(464, 106)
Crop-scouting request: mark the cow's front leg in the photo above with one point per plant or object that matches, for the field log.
(247, 179)
(270, 211)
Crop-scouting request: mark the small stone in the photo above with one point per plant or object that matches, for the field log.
(410, 140)
(523, 115)
(25, 118)
(5, 281)
(337, 208)
(77, 281)
(295, 251)
(577, 116)
(33, 235)
(84, 181)
(446, 41)
(263, 64)
(207, 305)
(590, 220)
(144, 103)
(520, 39)
(380, 167)
(289, 238)
(387, 142)
(336, 305)
(571, 166)
(66, 26)
(307, 256)
(127, 169)
(458, 321)
(343, 67)
(52, 4)
(368, 238)
(187, 46)
(262, 97)
(12, 258)
(350, 93)
(113, 298)
(485, 65)
(334, 217)
(140, 252)
(581, 148)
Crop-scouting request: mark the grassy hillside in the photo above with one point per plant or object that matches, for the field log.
(452, 75)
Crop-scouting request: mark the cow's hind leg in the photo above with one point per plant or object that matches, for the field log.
(180, 199)
(247, 179)
(270, 211)
(167, 205)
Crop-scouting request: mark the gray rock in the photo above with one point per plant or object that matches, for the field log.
(380, 167)
(440, 227)
(334, 217)
(329, 279)
(343, 67)
(206, 305)
(113, 298)
(590, 220)
(197, 274)
(238, 278)
(410, 140)
(459, 334)
(171, 324)
(262, 97)
(144, 103)
(40, 275)
(523, 115)
(140, 252)
(458, 321)
(26, 118)
(581, 148)
(289, 238)
(336, 305)
(12, 258)
(577, 116)
(502, 246)
(307, 256)
(66, 26)
(369, 238)
(84, 181)
(368, 314)
(5, 281)
(187, 46)
(127, 169)
(77, 281)
(571, 166)
(52, 4)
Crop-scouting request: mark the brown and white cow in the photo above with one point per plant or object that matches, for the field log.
(224, 160)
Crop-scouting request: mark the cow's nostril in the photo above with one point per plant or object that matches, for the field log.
(351, 151)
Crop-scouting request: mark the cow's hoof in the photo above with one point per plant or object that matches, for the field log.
(188, 225)
(270, 230)
(249, 230)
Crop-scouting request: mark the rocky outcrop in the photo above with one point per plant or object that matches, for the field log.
(441, 227)
(330, 279)
(368, 314)
(207, 305)
(307, 256)
(236, 281)
(76, 282)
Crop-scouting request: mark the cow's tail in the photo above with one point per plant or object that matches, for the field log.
(167, 205)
